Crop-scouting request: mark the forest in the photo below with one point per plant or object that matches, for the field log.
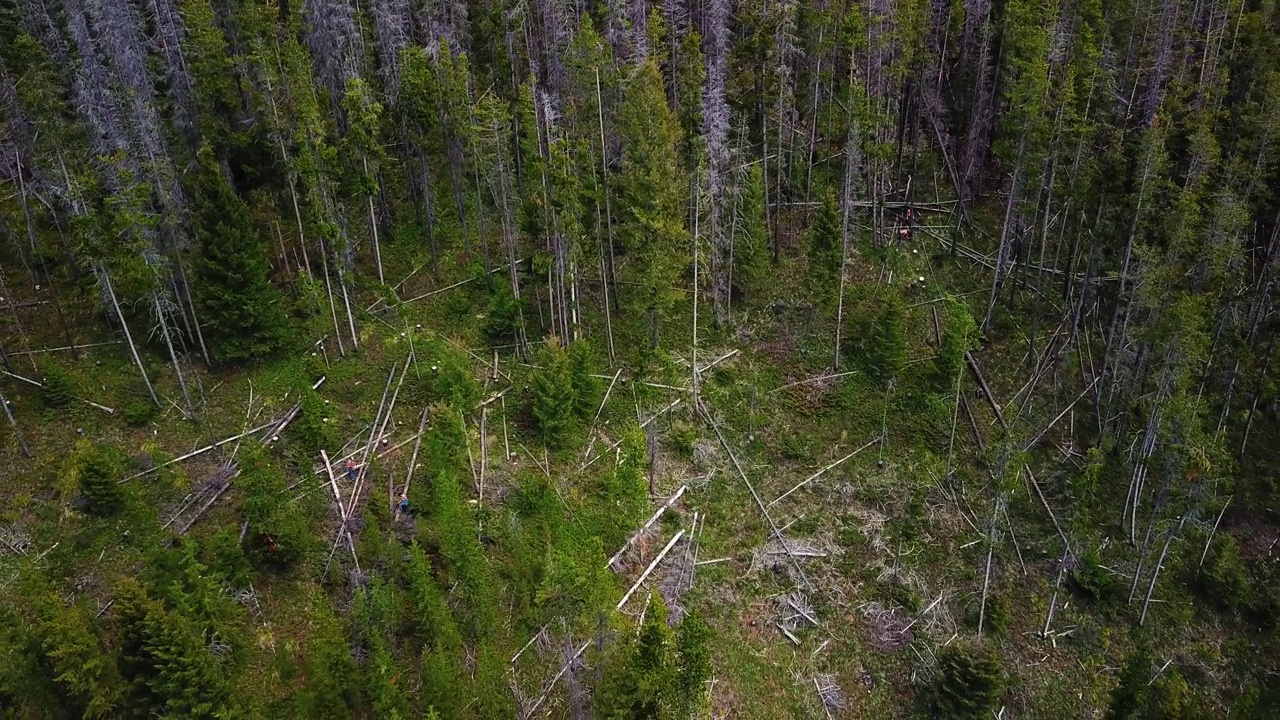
(754, 359)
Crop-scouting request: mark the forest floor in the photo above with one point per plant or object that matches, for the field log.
(886, 554)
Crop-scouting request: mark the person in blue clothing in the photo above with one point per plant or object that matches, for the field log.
(404, 503)
(351, 471)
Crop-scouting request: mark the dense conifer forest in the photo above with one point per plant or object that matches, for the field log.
(755, 359)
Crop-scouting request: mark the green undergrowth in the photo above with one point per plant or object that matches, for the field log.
(477, 569)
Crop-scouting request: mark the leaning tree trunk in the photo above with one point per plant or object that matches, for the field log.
(160, 304)
(105, 278)
(8, 413)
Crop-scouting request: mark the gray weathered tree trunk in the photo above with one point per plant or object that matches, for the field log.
(104, 277)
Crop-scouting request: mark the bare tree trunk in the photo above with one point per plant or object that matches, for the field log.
(986, 580)
(1002, 251)
(715, 128)
(346, 300)
(195, 320)
(1257, 393)
(694, 242)
(1120, 301)
(373, 228)
(1213, 532)
(44, 269)
(1155, 574)
(852, 161)
(105, 278)
(1146, 543)
(429, 208)
(1137, 478)
(611, 278)
(160, 309)
(328, 287)
(1053, 600)
(8, 413)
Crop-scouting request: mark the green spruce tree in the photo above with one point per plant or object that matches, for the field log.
(332, 687)
(652, 194)
(693, 651)
(751, 246)
(957, 339)
(586, 387)
(242, 314)
(166, 665)
(554, 398)
(825, 251)
(970, 682)
(84, 670)
(639, 679)
(99, 469)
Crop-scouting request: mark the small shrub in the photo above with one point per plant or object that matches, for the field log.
(1167, 696)
(278, 531)
(139, 412)
(311, 430)
(996, 620)
(1222, 579)
(446, 376)
(503, 320)
(222, 554)
(681, 437)
(970, 683)
(100, 470)
(900, 593)
(1092, 582)
(58, 390)
(794, 446)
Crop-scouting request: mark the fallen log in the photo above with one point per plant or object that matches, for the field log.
(205, 508)
(986, 391)
(818, 474)
(649, 570)
(973, 425)
(1060, 415)
(29, 381)
(22, 440)
(413, 459)
(201, 451)
(1066, 543)
(65, 348)
(755, 495)
(636, 535)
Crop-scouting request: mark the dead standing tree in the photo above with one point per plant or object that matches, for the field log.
(852, 171)
(715, 128)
